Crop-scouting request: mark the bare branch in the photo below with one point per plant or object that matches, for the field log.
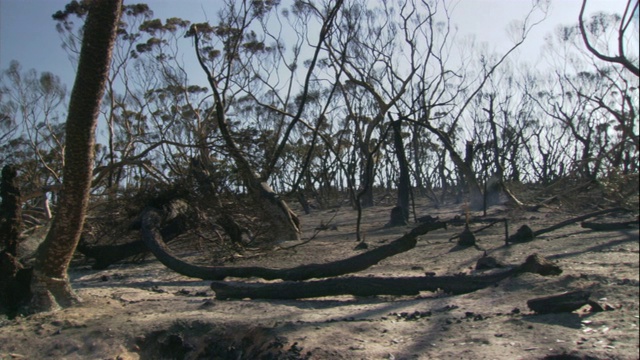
(621, 57)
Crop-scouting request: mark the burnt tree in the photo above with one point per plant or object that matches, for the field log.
(13, 277)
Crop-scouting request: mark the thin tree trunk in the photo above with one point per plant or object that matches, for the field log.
(496, 145)
(420, 183)
(368, 175)
(50, 284)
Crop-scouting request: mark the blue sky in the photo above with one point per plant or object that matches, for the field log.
(28, 35)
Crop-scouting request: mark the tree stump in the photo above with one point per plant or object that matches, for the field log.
(488, 262)
(524, 234)
(466, 237)
(539, 265)
(398, 217)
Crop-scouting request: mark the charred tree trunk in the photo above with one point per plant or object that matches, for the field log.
(496, 146)
(365, 195)
(417, 159)
(10, 210)
(404, 185)
(106, 255)
(494, 184)
(14, 279)
(442, 167)
(369, 286)
(356, 286)
(612, 226)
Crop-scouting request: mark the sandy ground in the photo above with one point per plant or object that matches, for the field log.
(146, 311)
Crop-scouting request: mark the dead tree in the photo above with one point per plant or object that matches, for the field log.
(14, 278)
(10, 210)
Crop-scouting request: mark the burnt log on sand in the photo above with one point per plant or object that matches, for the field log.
(566, 302)
(369, 286)
(613, 226)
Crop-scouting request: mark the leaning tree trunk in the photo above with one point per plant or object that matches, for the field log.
(284, 223)
(50, 283)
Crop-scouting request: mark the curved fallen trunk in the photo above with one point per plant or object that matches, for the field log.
(152, 237)
(369, 286)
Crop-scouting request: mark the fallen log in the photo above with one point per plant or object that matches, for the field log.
(624, 225)
(566, 302)
(369, 286)
(525, 234)
(356, 286)
(152, 237)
